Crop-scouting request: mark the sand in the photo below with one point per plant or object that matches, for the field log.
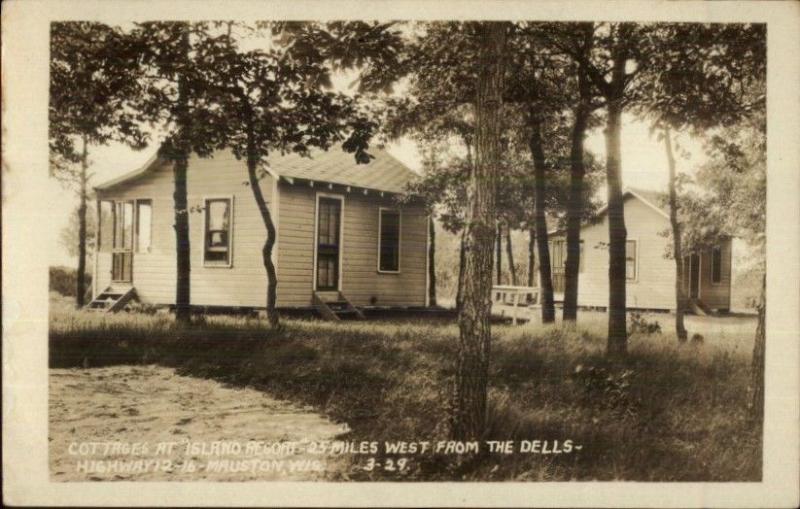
(139, 423)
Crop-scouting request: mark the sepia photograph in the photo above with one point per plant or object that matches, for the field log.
(365, 250)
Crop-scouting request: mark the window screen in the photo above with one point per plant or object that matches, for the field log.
(716, 265)
(389, 245)
(630, 260)
(218, 231)
(144, 218)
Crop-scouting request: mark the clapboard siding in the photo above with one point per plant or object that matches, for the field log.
(654, 287)
(361, 281)
(154, 273)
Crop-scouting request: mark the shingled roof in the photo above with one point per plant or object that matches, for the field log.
(335, 166)
(383, 173)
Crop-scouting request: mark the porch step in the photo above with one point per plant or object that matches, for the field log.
(334, 306)
(112, 299)
(699, 307)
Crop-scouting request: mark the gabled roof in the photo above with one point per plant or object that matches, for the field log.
(335, 166)
(656, 200)
(383, 173)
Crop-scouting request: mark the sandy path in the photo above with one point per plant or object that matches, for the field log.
(115, 407)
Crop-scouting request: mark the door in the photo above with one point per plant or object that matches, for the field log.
(558, 259)
(122, 249)
(694, 276)
(329, 218)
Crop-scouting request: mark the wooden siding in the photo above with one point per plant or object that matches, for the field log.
(361, 282)
(654, 287)
(242, 284)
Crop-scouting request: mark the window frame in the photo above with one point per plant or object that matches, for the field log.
(399, 213)
(717, 249)
(136, 225)
(340, 277)
(635, 278)
(210, 263)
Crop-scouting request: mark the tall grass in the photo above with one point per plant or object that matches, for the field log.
(668, 413)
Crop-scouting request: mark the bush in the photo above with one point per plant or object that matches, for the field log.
(64, 280)
(639, 324)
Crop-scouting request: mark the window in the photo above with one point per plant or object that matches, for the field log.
(716, 265)
(630, 260)
(389, 241)
(106, 234)
(144, 218)
(217, 248)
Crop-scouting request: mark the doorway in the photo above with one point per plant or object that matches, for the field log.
(328, 244)
(694, 276)
(122, 248)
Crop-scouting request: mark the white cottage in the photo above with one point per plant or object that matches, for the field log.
(341, 234)
(650, 272)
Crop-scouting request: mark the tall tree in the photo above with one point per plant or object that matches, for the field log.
(90, 89)
(472, 367)
(677, 251)
(175, 99)
(277, 101)
(718, 82)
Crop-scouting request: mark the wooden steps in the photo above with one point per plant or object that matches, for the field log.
(699, 308)
(112, 299)
(335, 307)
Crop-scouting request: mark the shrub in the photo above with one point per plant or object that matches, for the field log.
(641, 325)
(64, 280)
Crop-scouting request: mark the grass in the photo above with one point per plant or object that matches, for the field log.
(667, 413)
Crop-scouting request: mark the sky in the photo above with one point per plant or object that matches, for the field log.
(644, 165)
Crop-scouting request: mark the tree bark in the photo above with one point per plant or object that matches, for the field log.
(677, 254)
(540, 177)
(759, 355)
(510, 257)
(531, 257)
(575, 200)
(498, 243)
(180, 166)
(81, 276)
(431, 262)
(461, 258)
(617, 234)
(266, 217)
(472, 366)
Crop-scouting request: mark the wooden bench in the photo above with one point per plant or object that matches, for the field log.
(512, 295)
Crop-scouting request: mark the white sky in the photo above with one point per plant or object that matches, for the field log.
(644, 165)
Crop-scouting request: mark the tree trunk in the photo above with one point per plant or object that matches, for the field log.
(431, 262)
(540, 177)
(510, 256)
(81, 276)
(180, 166)
(617, 235)
(575, 200)
(680, 298)
(498, 244)
(472, 366)
(266, 251)
(461, 258)
(531, 257)
(759, 353)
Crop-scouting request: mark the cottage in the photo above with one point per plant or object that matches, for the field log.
(341, 234)
(650, 273)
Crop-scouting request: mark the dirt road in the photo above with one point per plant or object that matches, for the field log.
(135, 423)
